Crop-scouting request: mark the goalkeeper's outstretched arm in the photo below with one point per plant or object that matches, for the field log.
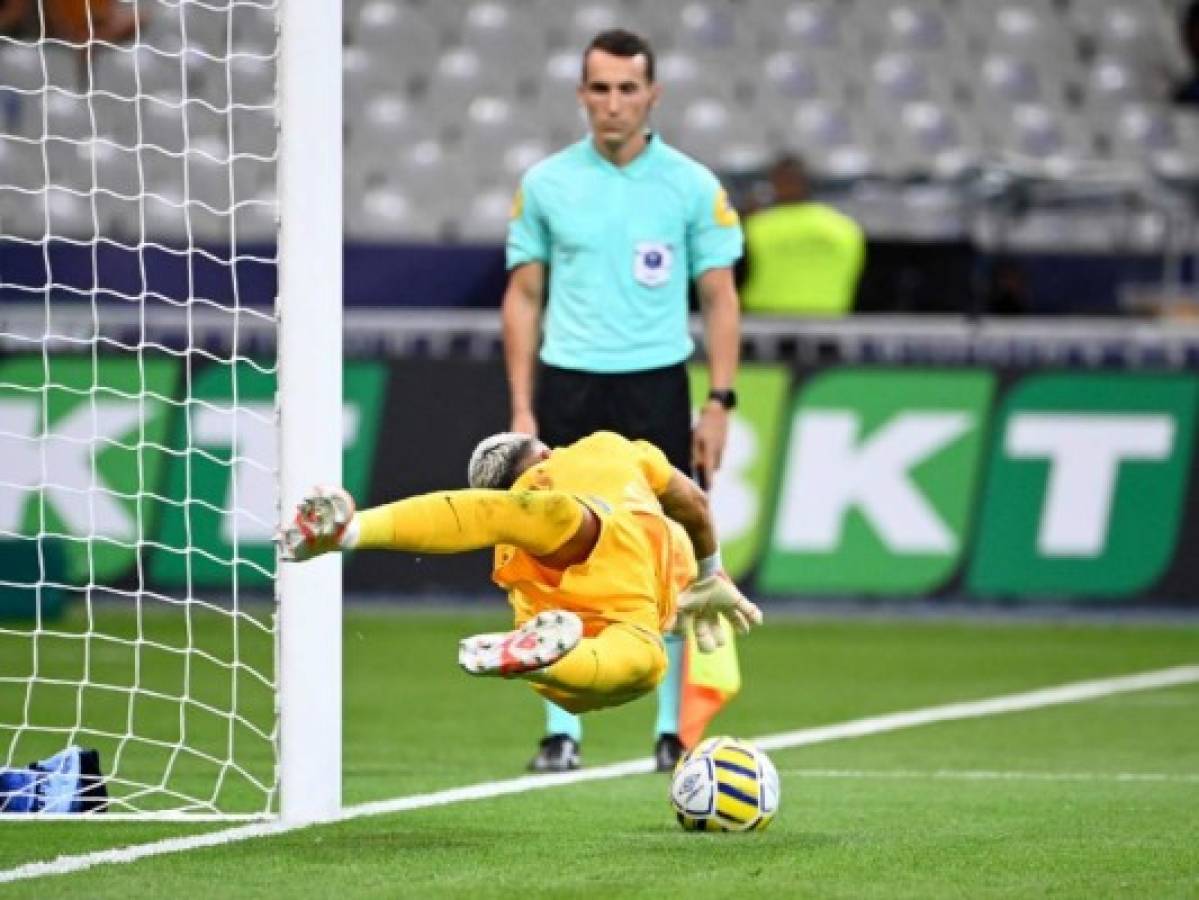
(712, 594)
(685, 502)
(551, 525)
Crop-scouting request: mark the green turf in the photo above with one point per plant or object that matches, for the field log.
(868, 817)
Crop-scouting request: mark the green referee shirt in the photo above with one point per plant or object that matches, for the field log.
(621, 244)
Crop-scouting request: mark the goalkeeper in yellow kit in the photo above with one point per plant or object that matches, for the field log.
(596, 544)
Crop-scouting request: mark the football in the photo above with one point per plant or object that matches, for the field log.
(724, 784)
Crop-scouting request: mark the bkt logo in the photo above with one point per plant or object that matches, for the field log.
(103, 457)
(897, 481)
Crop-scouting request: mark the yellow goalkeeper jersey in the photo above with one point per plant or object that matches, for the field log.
(642, 558)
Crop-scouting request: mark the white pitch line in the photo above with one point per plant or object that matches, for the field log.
(983, 775)
(1067, 693)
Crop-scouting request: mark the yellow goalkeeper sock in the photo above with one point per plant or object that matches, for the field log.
(454, 521)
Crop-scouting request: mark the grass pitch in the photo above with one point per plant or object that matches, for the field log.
(1083, 800)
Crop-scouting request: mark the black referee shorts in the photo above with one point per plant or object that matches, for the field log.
(654, 405)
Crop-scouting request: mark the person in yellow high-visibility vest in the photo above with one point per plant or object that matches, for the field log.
(802, 257)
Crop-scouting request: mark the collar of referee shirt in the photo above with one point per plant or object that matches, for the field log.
(635, 167)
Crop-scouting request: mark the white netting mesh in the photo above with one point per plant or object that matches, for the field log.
(137, 386)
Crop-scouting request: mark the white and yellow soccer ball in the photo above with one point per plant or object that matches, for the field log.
(725, 784)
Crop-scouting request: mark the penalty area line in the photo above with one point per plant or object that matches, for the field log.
(952, 712)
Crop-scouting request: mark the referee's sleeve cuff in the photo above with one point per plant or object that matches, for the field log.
(513, 260)
(709, 265)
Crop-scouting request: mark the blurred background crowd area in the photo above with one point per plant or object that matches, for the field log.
(1056, 139)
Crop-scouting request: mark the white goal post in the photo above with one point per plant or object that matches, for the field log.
(157, 189)
(310, 398)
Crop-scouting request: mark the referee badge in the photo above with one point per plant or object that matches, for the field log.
(722, 212)
(652, 263)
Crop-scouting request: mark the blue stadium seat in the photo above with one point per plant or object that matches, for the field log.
(831, 139)
(909, 26)
(805, 25)
(790, 76)
(935, 141)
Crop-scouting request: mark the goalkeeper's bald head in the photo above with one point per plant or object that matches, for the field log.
(499, 460)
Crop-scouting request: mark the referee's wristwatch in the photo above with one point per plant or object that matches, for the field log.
(726, 398)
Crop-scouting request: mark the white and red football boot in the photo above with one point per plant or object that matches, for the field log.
(540, 642)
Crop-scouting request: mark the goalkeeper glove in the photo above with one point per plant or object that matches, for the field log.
(702, 604)
(320, 524)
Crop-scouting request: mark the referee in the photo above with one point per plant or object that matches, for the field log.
(613, 229)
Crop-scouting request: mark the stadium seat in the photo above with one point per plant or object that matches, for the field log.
(67, 116)
(171, 218)
(712, 29)
(164, 215)
(253, 25)
(908, 26)
(251, 79)
(62, 165)
(485, 219)
(1026, 28)
(833, 142)
(21, 162)
(56, 212)
(387, 28)
(1043, 134)
(935, 141)
(381, 210)
(133, 71)
(251, 131)
(803, 26)
(208, 171)
(1136, 31)
(31, 67)
(518, 157)
(791, 76)
(160, 123)
(504, 36)
(706, 126)
(897, 78)
(684, 77)
(430, 171)
(363, 73)
(1113, 80)
(1002, 79)
(491, 122)
(254, 216)
(459, 76)
(385, 120)
(208, 24)
(21, 67)
(580, 23)
(163, 31)
(1145, 126)
(556, 105)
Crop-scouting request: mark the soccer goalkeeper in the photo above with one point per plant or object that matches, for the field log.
(594, 542)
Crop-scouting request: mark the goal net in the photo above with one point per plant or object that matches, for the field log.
(139, 406)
